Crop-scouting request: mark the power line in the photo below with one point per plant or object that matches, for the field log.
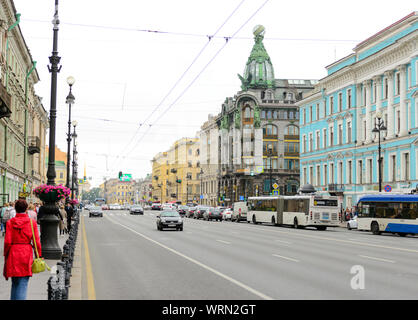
(182, 76)
(204, 68)
(199, 35)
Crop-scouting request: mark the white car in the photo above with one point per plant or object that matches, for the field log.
(352, 224)
(227, 215)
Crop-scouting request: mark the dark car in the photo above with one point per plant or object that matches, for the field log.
(169, 219)
(96, 212)
(190, 212)
(182, 210)
(200, 210)
(212, 214)
(136, 210)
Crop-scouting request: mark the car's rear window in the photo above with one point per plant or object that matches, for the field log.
(169, 214)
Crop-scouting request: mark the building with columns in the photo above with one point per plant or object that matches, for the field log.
(339, 149)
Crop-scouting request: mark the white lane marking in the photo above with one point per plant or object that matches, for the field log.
(222, 241)
(286, 258)
(281, 241)
(378, 259)
(238, 283)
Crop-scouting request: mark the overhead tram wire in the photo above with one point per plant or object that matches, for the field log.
(178, 81)
(198, 75)
(197, 35)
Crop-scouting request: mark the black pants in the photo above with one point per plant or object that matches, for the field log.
(68, 224)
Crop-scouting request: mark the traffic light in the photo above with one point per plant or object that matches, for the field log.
(120, 174)
(178, 180)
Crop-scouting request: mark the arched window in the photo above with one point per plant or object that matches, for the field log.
(270, 131)
(291, 130)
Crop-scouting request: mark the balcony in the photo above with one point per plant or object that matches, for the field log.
(337, 189)
(34, 145)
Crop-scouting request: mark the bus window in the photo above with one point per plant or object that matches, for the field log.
(296, 205)
(263, 205)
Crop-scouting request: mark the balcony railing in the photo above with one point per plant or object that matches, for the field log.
(34, 145)
(335, 187)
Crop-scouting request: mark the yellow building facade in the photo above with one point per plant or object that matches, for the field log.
(175, 173)
(118, 192)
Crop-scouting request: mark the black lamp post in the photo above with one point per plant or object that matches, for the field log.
(379, 126)
(70, 100)
(201, 190)
(49, 211)
(270, 153)
(74, 174)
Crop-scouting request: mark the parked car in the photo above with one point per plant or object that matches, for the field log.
(147, 207)
(156, 206)
(352, 224)
(212, 214)
(222, 209)
(198, 214)
(239, 212)
(136, 210)
(182, 210)
(104, 207)
(169, 219)
(190, 212)
(96, 211)
(227, 214)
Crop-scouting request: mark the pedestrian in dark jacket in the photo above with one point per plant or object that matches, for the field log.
(19, 249)
(70, 211)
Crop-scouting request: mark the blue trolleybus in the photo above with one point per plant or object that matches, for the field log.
(388, 213)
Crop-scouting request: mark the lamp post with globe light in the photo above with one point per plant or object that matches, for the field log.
(70, 100)
(379, 126)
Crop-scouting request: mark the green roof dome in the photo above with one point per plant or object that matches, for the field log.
(258, 73)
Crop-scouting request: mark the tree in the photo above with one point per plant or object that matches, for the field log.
(92, 194)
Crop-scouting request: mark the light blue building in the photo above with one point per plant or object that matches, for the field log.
(338, 148)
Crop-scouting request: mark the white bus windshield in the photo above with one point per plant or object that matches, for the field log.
(263, 205)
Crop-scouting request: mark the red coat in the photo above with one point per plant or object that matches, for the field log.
(18, 246)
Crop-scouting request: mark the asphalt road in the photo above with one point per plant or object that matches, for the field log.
(129, 258)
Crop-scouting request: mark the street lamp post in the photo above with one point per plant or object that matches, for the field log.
(201, 190)
(70, 100)
(49, 211)
(74, 174)
(379, 126)
(270, 152)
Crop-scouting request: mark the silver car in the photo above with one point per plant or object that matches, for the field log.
(96, 212)
(212, 214)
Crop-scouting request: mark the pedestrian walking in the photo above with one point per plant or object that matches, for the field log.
(18, 250)
(9, 213)
(70, 211)
(32, 212)
(2, 223)
(63, 220)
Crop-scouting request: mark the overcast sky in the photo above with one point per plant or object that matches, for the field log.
(170, 79)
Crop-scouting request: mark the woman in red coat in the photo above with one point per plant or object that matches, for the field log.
(18, 250)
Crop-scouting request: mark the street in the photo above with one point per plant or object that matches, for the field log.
(128, 258)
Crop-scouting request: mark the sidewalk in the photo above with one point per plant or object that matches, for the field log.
(38, 287)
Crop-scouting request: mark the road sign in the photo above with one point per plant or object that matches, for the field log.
(201, 196)
(125, 177)
(275, 192)
(259, 169)
(388, 188)
(241, 198)
(275, 186)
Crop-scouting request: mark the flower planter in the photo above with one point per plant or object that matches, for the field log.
(50, 194)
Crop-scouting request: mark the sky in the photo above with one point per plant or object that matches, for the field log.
(148, 73)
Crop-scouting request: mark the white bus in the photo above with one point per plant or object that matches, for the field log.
(298, 211)
(397, 213)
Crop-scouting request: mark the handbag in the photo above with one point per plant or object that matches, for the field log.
(38, 265)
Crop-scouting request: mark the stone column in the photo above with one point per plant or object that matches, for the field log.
(402, 101)
(379, 93)
(366, 85)
(390, 125)
(358, 117)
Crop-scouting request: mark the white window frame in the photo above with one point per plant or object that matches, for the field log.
(349, 98)
(393, 177)
(318, 177)
(403, 168)
(369, 170)
(317, 137)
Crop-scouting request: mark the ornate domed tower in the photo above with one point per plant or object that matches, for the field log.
(258, 73)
